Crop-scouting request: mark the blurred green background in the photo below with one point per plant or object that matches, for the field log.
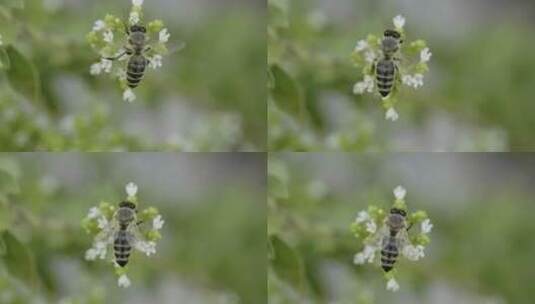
(214, 237)
(478, 95)
(481, 205)
(208, 97)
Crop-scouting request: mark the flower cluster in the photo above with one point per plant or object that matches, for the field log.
(411, 72)
(109, 37)
(101, 223)
(370, 227)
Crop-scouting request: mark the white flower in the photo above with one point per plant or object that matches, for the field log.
(131, 189)
(93, 213)
(99, 25)
(413, 253)
(426, 226)
(400, 192)
(392, 285)
(164, 35)
(361, 45)
(108, 36)
(425, 55)
(106, 64)
(146, 247)
(137, 2)
(157, 222)
(99, 250)
(366, 255)
(399, 21)
(134, 18)
(371, 227)
(102, 222)
(128, 95)
(415, 81)
(362, 216)
(95, 69)
(391, 114)
(367, 84)
(123, 281)
(370, 56)
(155, 61)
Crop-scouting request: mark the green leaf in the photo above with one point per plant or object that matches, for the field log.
(2, 247)
(22, 75)
(286, 92)
(4, 59)
(19, 260)
(286, 262)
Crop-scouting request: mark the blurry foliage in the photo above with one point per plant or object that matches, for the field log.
(42, 244)
(39, 52)
(481, 249)
(480, 85)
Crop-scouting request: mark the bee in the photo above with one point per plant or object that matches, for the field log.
(395, 237)
(122, 232)
(386, 68)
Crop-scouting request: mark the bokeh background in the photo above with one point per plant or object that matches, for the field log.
(476, 97)
(213, 248)
(208, 97)
(481, 246)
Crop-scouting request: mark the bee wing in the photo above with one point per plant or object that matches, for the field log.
(176, 47)
(403, 239)
(135, 237)
(377, 239)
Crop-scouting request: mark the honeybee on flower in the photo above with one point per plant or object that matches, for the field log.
(388, 62)
(119, 230)
(385, 236)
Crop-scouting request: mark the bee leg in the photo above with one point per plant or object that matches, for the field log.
(410, 226)
(116, 57)
(139, 223)
(126, 29)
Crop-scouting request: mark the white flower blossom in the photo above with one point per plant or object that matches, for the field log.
(98, 250)
(128, 95)
(399, 21)
(131, 189)
(362, 216)
(370, 56)
(95, 69)
(367, 85)
(99, 25)
(93, 213)
(366, 255)
(415, 81)
(371, 227)
(413, 253)
(157, 222)
(123, 281)
(425, 55)
(108, 36)
(155, 62)
(400, 192)
(102, 222)
(392, 285)
(146, 247)
(361, 45)
(134, 18)
(426, 226)
(105, 65)
(137, 2)
(164, 35)
(391, 114)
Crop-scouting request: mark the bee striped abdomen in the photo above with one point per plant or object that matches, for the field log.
(135, 70)
(122, 248)
(389, 254)
(385, 74)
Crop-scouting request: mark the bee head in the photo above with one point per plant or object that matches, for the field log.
(391, 41)
(137, 28)
(398, 211)
(127, 204)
